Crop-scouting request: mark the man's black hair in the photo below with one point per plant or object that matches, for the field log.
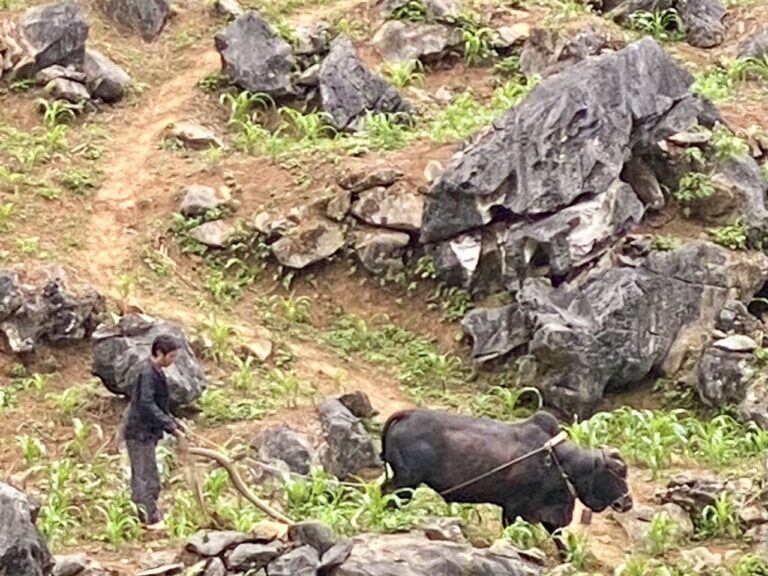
(164, 344)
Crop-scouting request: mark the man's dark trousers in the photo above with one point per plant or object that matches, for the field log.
(145, 479)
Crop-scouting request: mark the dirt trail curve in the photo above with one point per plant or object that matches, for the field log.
(128, 180)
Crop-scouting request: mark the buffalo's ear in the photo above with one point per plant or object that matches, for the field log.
(615, 462)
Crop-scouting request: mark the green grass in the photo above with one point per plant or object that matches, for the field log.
(693, 186)
(663, 24)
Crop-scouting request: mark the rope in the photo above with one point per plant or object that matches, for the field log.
(549, 446)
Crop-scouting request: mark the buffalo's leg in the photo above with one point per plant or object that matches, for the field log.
(552, 528)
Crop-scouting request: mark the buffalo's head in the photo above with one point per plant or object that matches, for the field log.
(600, 480)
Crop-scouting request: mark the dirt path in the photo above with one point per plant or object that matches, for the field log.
(116, 218)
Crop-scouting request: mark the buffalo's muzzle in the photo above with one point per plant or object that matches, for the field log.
(623, 504)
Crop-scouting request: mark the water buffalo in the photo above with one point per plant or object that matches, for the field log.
(445, 450)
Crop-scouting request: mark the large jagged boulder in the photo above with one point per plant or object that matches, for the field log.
(413, 555)
(549, 51)
(309, 242)
(23, 551)
(255, 57)
(616, 325)
(348, 449)
(586, 123)
(399, 41)
(106, 80)
(283, 443)
(146, 18)
(703, 21)
(56, 34)
(348, 90)
(756, 45)
(43, 310)
(118, 350)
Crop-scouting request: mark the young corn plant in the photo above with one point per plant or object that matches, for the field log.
(715, 85)
(57, 113)
(309, 126)
(245, 107)
(718, 520)
(750, 565)
(478, 45)
(525, 535)
(512, 92)
(121, 519)
(32, 449)
(403, 74)
(218, 335)
(576, 548)
(663, 534)
(662, 24)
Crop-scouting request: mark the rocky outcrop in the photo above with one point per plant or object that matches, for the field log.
(117, 351)
(41, 309)
(587, 123)
(349, 90)
(549, 51)
(23, 551)
(214, 234)
(399, 41)
(348, 449)
(147, 18)
(106, 81)
(615, 326)
(255, 57)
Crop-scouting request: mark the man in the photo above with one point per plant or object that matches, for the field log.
(148, 418)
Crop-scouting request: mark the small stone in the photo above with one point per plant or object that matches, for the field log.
(215, 567)
(736, 343)
(509, 36)
(442, 529)
(70, 564)
(268, 531)
(247, 557)
(194, 135)
(214, 234)
(229, 9)
(381, 251)
(106, 80)
(309, 77)
(260, 348)
(753, 515)
(359, 404)
(314, 534)
(308, 243)
(160, 558)
(63, 89)
(56, 71)
(301, 561)
(702, 558)
(433, 171)
(208, 544)
(690, 138)
(339, 206)
(200, 199)
(336, 556)
(444, 95)
(397, 209)
(362, 181)
(165, 570)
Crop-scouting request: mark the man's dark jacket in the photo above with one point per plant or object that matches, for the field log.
(149, 414)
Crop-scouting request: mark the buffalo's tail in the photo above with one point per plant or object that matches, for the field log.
(391, 421)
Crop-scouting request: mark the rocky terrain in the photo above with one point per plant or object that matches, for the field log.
(345, 208)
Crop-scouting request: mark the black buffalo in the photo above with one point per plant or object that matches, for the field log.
(444, 450)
